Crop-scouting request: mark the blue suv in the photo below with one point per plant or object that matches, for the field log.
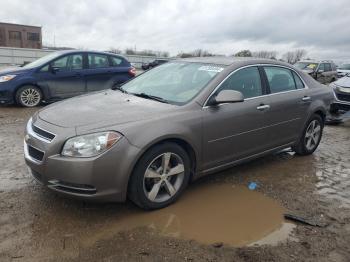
(62, 75)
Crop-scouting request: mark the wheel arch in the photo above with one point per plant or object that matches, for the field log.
(183, 143)
(29, 84)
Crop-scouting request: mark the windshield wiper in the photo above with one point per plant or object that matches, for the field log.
(147, 96)
(120, 88)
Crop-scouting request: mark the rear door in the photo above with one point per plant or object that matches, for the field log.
(63, 77)
(104, 71)
(288, 105)
(236, 130)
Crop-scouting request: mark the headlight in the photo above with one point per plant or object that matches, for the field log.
(6, 78)
(90, 145)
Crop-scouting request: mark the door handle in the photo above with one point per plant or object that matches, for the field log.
(306, 99)
(263, 107)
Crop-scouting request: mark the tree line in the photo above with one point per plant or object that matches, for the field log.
(290, 57)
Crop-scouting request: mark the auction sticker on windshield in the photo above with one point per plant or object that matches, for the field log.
(216, 69)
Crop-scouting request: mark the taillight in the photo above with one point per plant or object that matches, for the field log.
(132, 71)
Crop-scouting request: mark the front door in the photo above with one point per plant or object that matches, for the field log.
(234, 131)
(63, 77)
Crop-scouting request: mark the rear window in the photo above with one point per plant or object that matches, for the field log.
(279, 79)
(299, 84)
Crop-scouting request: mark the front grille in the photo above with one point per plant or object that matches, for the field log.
(72, 188)
(343, 97)
(35, 153)
(42, 133)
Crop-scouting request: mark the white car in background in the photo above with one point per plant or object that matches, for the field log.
(343, 70)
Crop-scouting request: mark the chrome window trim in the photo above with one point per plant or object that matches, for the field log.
(32, 133)
(255, 65)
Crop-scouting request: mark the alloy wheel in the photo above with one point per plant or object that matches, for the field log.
(312, 135)
(30, 97)
(163, 177)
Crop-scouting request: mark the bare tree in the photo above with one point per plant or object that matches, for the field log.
(294, 56)
(243, 53)
(115, 50)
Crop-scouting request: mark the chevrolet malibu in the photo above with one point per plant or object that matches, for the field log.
(148, 138)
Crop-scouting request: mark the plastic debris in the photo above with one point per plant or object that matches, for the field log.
(303, 220)
(252, 185)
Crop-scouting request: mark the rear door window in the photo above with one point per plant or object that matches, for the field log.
(279, 79)
(247, 81)
(98, 61)
(299, 84)
(116, 61)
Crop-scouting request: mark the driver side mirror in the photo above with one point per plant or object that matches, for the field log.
(227, 96)
(320, 71)
(54, 70)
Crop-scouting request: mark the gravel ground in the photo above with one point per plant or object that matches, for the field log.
(37, 225)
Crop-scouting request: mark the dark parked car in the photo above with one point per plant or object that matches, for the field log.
(175, 123)
(323, 71)
(62, 75)
(154, 63)
(341, 89)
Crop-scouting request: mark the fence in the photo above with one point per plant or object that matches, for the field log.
(19, 56)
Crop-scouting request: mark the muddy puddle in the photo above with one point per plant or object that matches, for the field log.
(209, 214)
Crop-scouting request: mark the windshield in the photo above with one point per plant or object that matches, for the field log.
(306, 65)
(344, 67)
(175, 82)
(43, 60)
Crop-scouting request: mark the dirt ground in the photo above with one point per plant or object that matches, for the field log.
(217, 219)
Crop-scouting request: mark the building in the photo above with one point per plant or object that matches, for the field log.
(22, 36)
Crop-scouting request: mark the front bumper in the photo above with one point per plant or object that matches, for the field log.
(6, 94)
(102, 178)
(341, 101)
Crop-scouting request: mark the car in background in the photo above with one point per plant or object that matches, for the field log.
(61, 75)
(343, 70)
(341, 90)
(322, 71)
(148, 138)
(154, 63)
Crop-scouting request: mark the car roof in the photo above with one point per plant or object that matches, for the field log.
(86, 51)
(227, 61)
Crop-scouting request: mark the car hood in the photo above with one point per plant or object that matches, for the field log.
(103, 109)
(343, 82)
(13, 70)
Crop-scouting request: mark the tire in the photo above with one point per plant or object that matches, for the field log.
(29, 96)
(311, 136)
(152, 188)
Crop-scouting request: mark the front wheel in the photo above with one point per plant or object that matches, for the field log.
(28, 96)
(311, 136)
(160, 176)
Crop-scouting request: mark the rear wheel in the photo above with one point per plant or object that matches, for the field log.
(28, 96)
(311, 136)
(160, 176)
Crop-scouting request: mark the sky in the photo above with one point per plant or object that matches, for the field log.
(321, 27)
